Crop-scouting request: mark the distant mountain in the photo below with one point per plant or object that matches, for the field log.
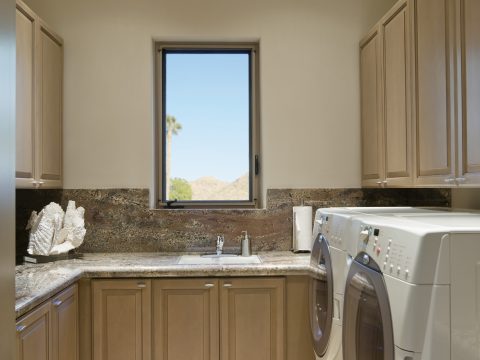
(211, 188)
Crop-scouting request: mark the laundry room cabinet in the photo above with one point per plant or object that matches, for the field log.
(252, 319)
(201, 318)
(468, 56)
(434, 96)
(39, 102)
(50, 331)
(121, 319)
(185, 311)
(386, 121)
(430, 71)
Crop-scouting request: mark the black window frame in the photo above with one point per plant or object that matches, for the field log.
(162, 49)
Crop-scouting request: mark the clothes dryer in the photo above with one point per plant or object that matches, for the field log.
(411, 291)
(331, 254)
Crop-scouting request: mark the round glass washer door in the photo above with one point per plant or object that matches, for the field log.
(367, 320)
(321, 295)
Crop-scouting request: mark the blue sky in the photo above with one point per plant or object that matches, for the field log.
(208, 94)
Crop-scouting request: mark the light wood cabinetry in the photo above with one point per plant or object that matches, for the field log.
(385, 72)
(185, 311)
(468, 52)
(34, 340)
(252, 319)
(121, 319)
(26, 23)
(232, 319)
(396, 83)
(434, 96)
(65, 325)
(39, 96)
(50, 332)
(430, 69)
(372, 123)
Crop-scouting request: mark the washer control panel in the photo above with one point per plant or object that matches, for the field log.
(403, 253)
(332, 227)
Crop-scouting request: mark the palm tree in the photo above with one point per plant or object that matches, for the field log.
(173, 128)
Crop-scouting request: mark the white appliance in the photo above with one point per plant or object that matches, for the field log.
(331, 253)
(413, 290)
(326, 294)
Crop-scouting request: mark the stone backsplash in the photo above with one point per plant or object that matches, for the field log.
(119, 220)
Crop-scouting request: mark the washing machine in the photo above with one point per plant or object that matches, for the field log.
(326, 289)
(412, 290)
(330, 254)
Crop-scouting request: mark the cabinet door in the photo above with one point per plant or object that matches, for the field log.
(49, 95)
(469, 151)
(25, 96)
(371, 109)
(33, 335)
(65, 325)
(252, 319)
(121, 319)
(434, 157)
(395, 31)
(185, 319)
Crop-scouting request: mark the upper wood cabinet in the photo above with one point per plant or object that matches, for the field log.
(372, 121)
(434, 92)
(430, 69)
(185, 311)
(39, 96)
(252, 319)
(468, 56)
(121, 319)
(26, 23)
(385, 72)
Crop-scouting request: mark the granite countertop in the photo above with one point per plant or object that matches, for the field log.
(35, 283)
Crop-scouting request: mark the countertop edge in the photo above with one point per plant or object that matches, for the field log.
(22, 307)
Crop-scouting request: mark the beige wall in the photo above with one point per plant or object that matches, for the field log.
(309, 82)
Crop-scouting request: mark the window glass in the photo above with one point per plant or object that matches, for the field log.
(207, 125)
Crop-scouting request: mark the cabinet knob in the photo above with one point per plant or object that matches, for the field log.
(57, 302)
(384, 182)
(227, 285)
(460, 180)
(449, 180)
(20, 328)
(141, 285)
(209, 285)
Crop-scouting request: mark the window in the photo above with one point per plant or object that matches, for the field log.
(207, 125)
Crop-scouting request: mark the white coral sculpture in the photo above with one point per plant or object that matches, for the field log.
(54, 232)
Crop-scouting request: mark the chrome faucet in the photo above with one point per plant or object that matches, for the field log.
(220, 241)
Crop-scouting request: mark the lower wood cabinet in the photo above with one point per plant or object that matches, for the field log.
(193, 319)
(252, 319)
(65, 325)
(121, 319)
(50, 332)
(185, 313)
(34, 336)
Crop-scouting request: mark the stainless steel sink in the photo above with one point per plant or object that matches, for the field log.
(214, 259)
